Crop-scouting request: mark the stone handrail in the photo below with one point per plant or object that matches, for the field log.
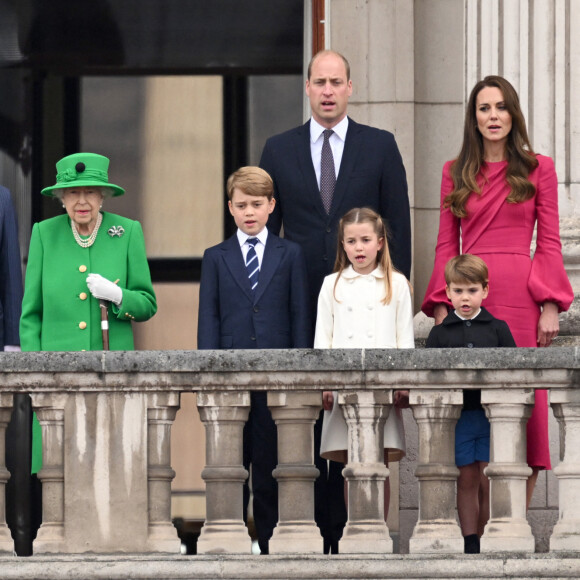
(106, 420)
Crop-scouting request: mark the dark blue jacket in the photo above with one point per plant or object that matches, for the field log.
(484, 331)
(275, 315)
(10, 273)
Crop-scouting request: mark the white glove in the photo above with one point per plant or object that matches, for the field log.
(104, 289)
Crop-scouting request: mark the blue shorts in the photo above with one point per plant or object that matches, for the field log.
(472, 438)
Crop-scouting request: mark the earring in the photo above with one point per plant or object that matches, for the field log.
(63, 206)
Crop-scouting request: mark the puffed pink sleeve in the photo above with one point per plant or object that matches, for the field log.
(548, 281)
(447, 247)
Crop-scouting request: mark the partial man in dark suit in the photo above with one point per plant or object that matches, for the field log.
(21, 489)
(254, 294)
(10, 275)
(321, 170)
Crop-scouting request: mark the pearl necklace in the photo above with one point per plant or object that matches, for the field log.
(91, 239)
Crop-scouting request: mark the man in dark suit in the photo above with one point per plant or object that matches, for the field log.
(10, 275)
(254, 294)
(368, 171)
(21, 490)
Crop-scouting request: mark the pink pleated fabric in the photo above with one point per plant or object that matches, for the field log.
(501, 234)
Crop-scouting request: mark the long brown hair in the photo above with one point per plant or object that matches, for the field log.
(365, 215)
(520, 157)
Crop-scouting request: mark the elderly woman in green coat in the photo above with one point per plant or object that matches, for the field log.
(81, 258)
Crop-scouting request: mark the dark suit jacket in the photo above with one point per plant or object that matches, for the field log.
(275, 315)
(371, 175)
(10, 273)
(484, 331)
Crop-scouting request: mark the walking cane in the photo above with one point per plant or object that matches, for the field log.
(104, 306)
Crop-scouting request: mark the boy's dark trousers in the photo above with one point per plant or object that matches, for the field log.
(261, 457)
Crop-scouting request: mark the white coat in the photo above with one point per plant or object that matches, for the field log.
(353, 316)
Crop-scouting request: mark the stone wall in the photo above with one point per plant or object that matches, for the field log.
(106, 421)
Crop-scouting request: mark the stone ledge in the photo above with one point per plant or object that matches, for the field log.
(303, 567)
(296, 360)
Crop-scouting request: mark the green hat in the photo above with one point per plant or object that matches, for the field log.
(83, 170)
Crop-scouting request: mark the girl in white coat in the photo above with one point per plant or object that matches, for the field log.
(364, 304)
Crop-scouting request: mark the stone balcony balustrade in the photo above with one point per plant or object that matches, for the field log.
(106, 420)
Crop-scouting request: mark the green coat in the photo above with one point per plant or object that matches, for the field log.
(58, 311)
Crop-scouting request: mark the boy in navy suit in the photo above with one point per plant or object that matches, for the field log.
(254, 294)
(470, 325)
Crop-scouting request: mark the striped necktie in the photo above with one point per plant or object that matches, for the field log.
(252, 264)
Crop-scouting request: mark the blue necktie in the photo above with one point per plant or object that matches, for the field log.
(327, 173)
(252, 264)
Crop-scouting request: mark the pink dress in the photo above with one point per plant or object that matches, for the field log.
(501, 234)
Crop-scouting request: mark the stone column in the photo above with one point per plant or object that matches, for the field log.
(566, 534)
(569, 198)
(161, 411)
(224, 415)
(377, 37)
(532, 44)
(295, 414)
(6, 541)
(436, 413)
(570, 321)
(366, 530)
(508, 471)
(50, 412)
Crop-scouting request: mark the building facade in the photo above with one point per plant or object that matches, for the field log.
(179, 97)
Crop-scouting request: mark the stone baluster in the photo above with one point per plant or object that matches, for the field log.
(49, 409)
(507, 529)
(224, 415)
(6, 542)
(161, 411)
(366, 530)
(295, 414)
(566, 406)
(436, 413)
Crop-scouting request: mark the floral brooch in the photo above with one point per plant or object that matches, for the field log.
(116, 231)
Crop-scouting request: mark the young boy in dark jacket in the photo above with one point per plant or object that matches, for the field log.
(470, 325)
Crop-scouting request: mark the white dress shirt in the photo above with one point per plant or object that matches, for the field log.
(260, 246)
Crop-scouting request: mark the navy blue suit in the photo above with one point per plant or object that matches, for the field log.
(371, 174)
(274, 315)
(10, 273)
(22, 491)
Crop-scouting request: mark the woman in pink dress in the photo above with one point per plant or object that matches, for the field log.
(492, 196)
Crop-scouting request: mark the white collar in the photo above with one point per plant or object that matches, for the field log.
(316, 129)
(350, 273)
(243, 237)
(462, 318)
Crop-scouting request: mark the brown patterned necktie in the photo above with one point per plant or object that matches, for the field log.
(327, 173)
